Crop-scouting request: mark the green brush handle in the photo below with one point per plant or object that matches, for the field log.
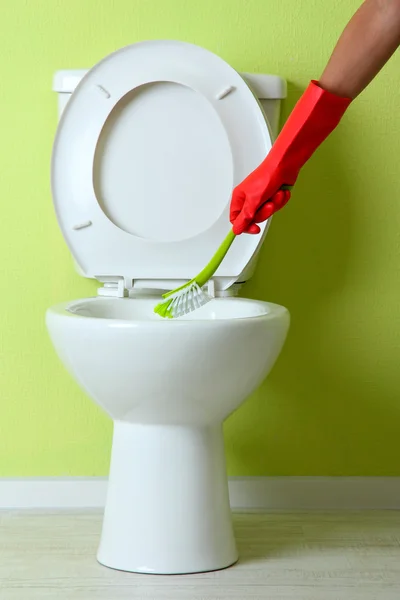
(209, 270)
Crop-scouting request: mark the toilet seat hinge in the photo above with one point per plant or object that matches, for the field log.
(211, 288)
(112, 287)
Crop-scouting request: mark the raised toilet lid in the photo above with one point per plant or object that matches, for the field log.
(147, 153)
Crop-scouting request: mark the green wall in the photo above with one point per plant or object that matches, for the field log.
(332, 403)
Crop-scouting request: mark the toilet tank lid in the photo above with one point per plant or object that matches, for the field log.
(265, 87)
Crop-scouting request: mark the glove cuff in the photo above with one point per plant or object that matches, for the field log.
(315, 116)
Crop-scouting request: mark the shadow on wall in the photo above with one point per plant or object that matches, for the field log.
(319, 407)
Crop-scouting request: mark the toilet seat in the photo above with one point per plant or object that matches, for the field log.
(147, 152)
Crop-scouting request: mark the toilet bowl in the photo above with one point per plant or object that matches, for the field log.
(147, 151)
(168, 386)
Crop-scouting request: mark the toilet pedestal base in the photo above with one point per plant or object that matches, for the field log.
(167, 507)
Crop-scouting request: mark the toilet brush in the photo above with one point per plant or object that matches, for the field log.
(191, 295)
(314, 117)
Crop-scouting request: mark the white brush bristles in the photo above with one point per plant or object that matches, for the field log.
(187, 299)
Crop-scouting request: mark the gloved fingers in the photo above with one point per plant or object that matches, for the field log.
(240, 224)
(281, 198)
(253, 229)
(265, 212)
(277, 202)
(247, 217)
(237, 203)
(241, 216)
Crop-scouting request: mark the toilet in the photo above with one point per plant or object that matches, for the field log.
(150, 143)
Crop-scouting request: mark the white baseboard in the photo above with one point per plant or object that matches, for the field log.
(246, 493)
(315, 493)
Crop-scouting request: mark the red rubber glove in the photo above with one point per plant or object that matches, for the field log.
(263, 192)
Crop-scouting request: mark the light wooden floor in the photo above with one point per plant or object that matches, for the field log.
(298, 556)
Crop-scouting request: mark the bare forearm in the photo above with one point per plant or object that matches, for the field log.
(367, 43)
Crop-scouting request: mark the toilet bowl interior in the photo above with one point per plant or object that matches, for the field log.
(141, 310)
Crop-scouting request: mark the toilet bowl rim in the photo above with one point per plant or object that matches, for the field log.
(64, 310)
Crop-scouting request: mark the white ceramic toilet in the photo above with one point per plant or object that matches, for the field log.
(149, 147)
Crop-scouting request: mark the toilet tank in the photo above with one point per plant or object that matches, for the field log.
(270, 90)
